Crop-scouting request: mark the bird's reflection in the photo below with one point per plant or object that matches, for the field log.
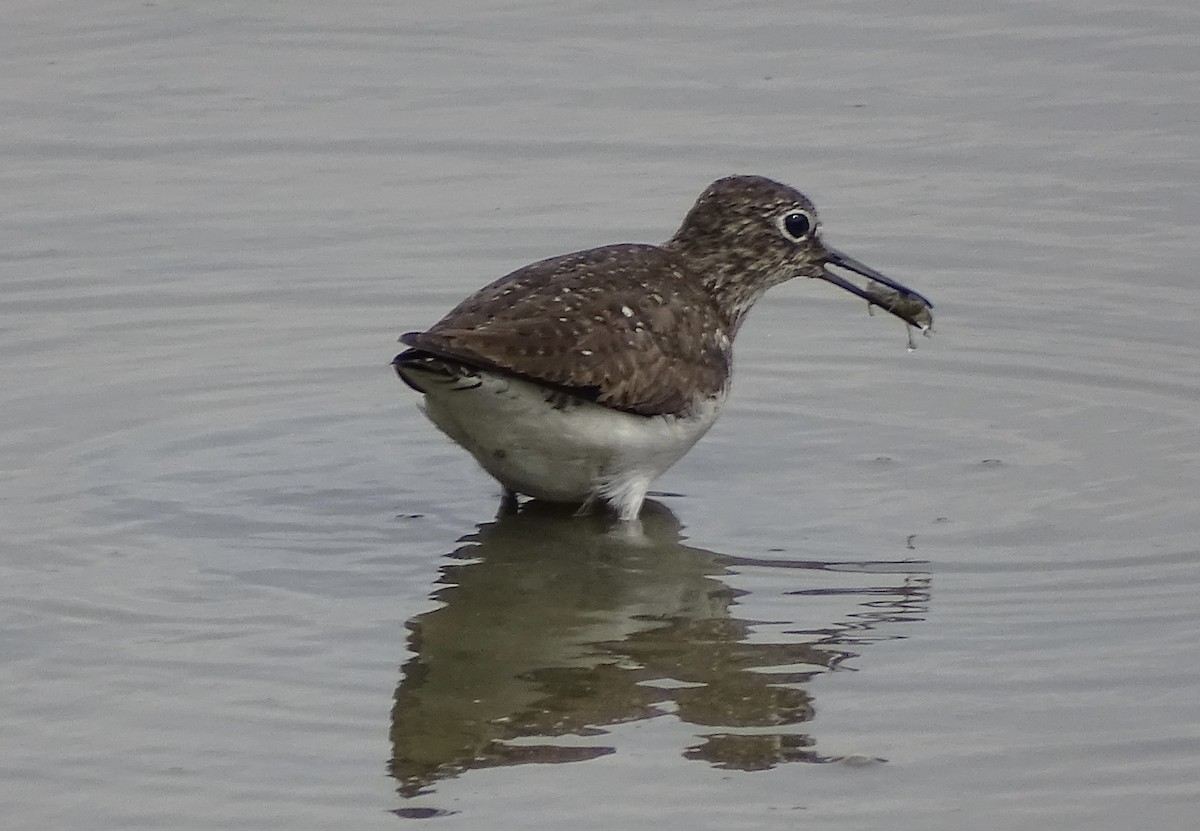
(552, 627)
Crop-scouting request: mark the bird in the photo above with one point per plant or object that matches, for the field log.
(583, 377)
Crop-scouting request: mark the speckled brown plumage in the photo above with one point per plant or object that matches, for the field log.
(582, 378)
(640, 328)
(625, 326)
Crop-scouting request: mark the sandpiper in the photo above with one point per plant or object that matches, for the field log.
(583, 377)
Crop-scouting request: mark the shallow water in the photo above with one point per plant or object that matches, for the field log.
(243, 584)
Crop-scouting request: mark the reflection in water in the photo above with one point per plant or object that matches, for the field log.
(555, 626)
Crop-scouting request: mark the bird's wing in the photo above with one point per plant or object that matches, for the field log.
(603, 324)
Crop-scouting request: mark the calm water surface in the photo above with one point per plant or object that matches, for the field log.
(244, 585)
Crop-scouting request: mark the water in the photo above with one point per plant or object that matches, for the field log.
(243, 584)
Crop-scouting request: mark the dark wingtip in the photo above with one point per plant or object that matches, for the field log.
(406, 358)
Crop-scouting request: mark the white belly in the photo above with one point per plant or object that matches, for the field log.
(563, 449)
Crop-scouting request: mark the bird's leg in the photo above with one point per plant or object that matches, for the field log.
(508, 503)
(587, 506)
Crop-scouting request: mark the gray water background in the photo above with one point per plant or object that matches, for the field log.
(244, 585)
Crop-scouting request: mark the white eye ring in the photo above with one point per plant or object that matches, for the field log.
(796, 224)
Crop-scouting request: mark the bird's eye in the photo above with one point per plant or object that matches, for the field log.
(796, 225)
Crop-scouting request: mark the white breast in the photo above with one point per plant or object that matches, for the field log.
(556, 447)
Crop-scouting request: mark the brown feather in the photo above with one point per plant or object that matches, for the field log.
(623, 325)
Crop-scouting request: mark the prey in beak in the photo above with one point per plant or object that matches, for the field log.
(907, 304)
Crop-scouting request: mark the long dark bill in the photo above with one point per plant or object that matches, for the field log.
(907, 310)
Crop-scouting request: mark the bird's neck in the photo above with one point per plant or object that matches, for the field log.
(730, 280)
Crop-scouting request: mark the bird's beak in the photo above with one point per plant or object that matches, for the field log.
(884, 292)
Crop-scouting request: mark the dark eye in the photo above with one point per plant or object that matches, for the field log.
(797, 225)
